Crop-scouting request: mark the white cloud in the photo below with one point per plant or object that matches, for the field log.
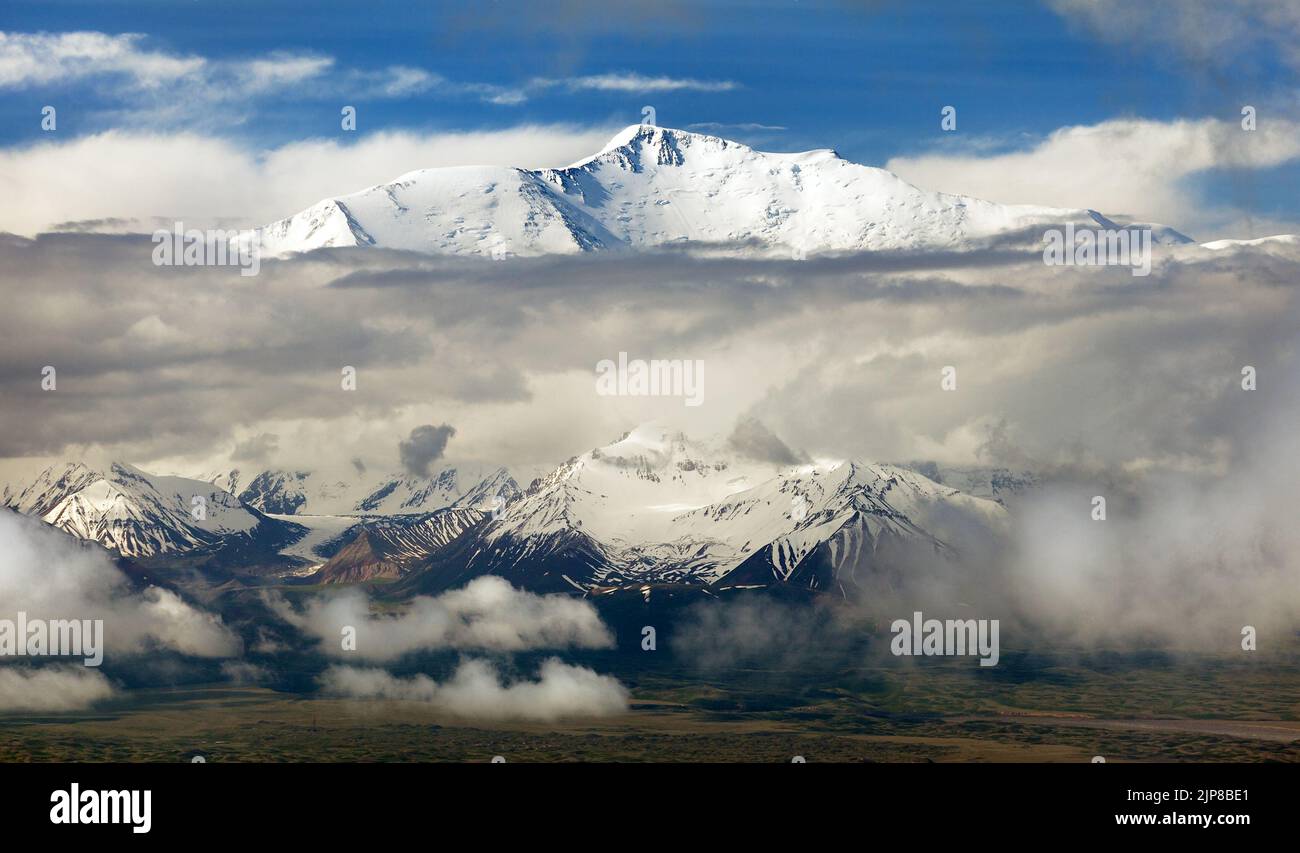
(279, 70)
(486, 614)
(151, 88)
(162, 89)
(44, 58)
(49, 575)
(477, 691)
(51, 688)
(399, 81)
(1206, 32)
(1126, 167)
(159, 84)
(633, 82)
(140, 177)
(748, 126)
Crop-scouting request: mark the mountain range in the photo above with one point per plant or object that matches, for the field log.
(313, 493)
(142, 515)
(655, 186)
(658, 507)
(654, 507)
(137, 514)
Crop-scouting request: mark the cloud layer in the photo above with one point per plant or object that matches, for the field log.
(478, 691)
(1205, 33)
(51, 688)
(122, 180)
(1133, 168)
(158, 88)
(840, 357)
(49, 575)
(486, 615)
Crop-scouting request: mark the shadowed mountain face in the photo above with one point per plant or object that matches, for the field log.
(387, 549)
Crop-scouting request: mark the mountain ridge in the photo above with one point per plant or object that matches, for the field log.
(657, 507)
(653, 507)
(138, 514)
(295, 492)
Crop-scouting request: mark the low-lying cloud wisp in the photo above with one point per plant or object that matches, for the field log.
(477, 690)
(488, 614)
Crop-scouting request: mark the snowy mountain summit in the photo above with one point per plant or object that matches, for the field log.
(138, 514)
(657, 506)
(653, 186)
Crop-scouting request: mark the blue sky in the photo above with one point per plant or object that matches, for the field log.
(868, 79)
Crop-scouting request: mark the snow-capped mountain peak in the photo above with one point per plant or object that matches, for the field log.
(652, 186)
(133, 512)
(656, 505)
(491, 211)
(491, 494)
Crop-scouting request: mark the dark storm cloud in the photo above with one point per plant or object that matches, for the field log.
(425, 445)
